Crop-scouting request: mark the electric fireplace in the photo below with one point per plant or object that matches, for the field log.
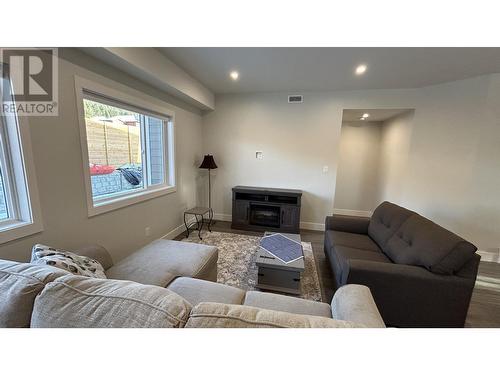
(261, 209)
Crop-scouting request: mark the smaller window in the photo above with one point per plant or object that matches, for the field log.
(19, 215)
(128, 148)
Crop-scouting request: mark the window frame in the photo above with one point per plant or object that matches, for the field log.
(135, 101)
(19, 178)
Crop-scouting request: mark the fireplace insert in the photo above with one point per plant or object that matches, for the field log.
(265, 215)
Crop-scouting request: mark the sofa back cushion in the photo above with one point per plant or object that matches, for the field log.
(20, 283)
(421, 242)
(220, 315)
(78, 301)
(385, 221)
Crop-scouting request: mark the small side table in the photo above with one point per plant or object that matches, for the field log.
(198, 212)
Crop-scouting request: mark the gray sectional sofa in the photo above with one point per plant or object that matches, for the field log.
(420, 274)
(166, 284)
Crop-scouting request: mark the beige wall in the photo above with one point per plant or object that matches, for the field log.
(394, 154)
(297, 141)
(452, 167)
(358, 167)
(58, 162)
(452, 174)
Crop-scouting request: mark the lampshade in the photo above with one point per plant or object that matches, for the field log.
(208, 162)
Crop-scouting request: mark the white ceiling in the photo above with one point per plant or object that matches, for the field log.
(325, 69)
(376, 115)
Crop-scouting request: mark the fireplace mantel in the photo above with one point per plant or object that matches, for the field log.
(261, 209)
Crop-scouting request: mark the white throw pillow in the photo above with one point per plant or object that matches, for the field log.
(68, 261)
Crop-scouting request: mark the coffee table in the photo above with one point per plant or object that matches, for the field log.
(276, 275)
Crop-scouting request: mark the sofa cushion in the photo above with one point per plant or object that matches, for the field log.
(162, 260)
(218, 315)
(196, 291)
(344, 255)
(66, 260)
(77, 301)
(385, 221)
(20, 283)
(278, 302)
(421, 242)
(354, 240)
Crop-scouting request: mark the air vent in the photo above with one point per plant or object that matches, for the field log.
(295, 98)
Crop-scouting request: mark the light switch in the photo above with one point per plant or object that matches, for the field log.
(259, 155)
(325, 169)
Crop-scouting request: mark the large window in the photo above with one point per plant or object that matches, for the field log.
(19, 206)
(128, 148)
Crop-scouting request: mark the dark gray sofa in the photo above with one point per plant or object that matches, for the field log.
(420, 274)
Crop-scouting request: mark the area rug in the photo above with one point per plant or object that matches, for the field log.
(236, 264)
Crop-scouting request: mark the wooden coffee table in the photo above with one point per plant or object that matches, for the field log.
(276, 275)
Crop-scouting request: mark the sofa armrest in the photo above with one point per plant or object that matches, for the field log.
(345, 223)
(98, 253)
(355, 303)
(410, 296)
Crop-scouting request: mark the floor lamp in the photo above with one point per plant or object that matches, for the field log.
(209, 163)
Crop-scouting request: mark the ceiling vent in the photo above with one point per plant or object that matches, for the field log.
(295, 98)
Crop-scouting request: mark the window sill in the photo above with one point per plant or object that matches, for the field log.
(18, 230)
(98, 208)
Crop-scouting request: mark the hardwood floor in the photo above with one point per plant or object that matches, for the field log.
(484, 310)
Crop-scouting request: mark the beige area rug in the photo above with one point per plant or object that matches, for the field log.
(236, 264)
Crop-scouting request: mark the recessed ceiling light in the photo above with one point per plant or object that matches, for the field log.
(362, 118)
(234, 75)
(365, 115)
(361, 69)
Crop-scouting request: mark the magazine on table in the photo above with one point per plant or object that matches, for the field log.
(282, 247)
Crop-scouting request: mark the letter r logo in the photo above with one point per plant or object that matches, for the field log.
(30, 72)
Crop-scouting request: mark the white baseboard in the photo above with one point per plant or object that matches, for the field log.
(223, 217)
(176, 231)
(312, 226)
(489, 255)
(342, 211)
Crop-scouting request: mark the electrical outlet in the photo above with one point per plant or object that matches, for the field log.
(259, 155)
(147, 231)
(325, 169)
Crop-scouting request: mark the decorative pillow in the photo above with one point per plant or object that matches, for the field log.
(76, 264)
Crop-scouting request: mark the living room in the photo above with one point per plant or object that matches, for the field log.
(182, 185)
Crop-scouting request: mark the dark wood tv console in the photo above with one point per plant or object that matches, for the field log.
(266, 209)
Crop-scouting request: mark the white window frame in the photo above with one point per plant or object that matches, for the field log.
(19, 178)
(135, 101)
